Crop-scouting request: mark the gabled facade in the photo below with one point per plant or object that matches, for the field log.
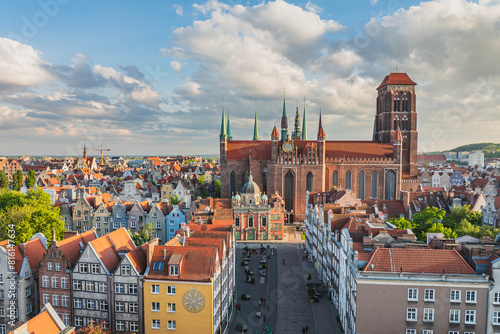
(54, 279)
(173, 222)
(156, 217)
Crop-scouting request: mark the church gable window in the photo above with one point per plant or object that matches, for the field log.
(310, 181)
(348, 183)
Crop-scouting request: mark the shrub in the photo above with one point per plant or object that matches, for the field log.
(309, 277)
(244, 296)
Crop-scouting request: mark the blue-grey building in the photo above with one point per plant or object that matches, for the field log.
(173, 221)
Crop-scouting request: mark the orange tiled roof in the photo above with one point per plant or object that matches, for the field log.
(396, 79)
(32, 249)
(428, 261)
(71, 246)
(40, 324)
(138, 257)
(197, 263)
(108, 246)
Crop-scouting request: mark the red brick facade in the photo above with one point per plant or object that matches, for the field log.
(319, 165)
(54, 282)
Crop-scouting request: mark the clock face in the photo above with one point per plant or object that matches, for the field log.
(193, 301)
(287, 147)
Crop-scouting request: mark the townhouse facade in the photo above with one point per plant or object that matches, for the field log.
(422, 290)
(54, 280)
(174, 220)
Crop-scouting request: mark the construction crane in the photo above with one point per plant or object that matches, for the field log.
(101, 150)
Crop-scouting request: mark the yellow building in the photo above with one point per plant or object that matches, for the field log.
(167, 190)
(179, 290)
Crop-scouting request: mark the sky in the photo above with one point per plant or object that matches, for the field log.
(150, 78)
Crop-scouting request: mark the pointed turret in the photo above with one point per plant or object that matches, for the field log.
(297, 133)
(321, 131)
(255, 125)
(275, 134)
(284, 121)
(223, 133)
(84, 150)
(398, 136)
(304, 126)
(229, 136)
(397, 145)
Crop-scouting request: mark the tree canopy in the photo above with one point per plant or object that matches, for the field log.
(174, 200)
(217, 188)
(201, 179)
(28, 214)
(4, 180)
(17, 180)
(30, 179)
(143, 235)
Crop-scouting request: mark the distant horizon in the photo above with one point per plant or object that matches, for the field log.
(87, 73)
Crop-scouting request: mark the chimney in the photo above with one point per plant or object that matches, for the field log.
(164, 254)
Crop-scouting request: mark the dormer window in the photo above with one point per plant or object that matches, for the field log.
(174, 270)
(158, 265)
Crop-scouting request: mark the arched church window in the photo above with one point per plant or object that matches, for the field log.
(289, 190)
(310, 182)
(348, 180)
(374, 184)
(390, 185)
(232, 183)
(335, 179)
(361, 185)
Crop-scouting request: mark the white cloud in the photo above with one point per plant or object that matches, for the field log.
(176, 66)
(314, 8)
(178, 10)
(189, 89)
(20, 66)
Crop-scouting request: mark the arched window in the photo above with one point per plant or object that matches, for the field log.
(348, 180)
(395, 124)
(289, 191)
(390, 185)
(361, 185)
(335, 179)
(374, 184)
(310, 182)
(232, 183)
(264, 182)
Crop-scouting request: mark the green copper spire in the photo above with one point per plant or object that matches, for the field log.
(304, 126)
(255, 125)
(297, 132)
(229, 136)
(223, 134)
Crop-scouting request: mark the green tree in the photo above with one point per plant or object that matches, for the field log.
(401, 223)
(17, 180)
(476, 231)
(204, 193)
(28, 213)
(201, 179)
(174, 200)
(439, 228)
(217, 188)
(31, 179)
(422, 221)
(4, 180)
(459, 213)
(143, 235)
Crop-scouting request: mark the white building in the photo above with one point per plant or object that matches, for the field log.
(476, 158)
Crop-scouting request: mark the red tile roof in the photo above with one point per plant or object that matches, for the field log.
(108, 246)
(428, 261)
(362, 149)
(396, 79)
(71, 246)
(32, 249)
(240, 149)
(198, 263)
(40, 324)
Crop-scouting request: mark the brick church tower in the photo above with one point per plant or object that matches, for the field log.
(396, 108)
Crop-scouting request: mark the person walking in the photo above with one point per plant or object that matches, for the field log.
(303, 330)
(307, 329)
(283, 261)
(260, 302)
